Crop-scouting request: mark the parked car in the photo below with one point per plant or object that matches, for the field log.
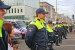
(21, 25)
(27, 22)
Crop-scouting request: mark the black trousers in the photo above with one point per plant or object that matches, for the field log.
(64, 34)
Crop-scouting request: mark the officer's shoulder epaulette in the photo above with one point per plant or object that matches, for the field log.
(34, 21)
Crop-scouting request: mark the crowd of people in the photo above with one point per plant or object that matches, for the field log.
(39, 34)
(42, 36)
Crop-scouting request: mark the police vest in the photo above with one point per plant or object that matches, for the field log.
(57, 25)
(38, 24)
(1, 23)
(49, 29)
(65, 25)
(61, 25)
(70, 25)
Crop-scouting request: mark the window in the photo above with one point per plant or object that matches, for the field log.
(18, 10)
(21, 10)
(16, 17)
(12, 10)
(9, 11)
(5, 17)
(15, 10)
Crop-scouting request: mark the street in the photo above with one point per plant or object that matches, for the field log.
(43, 22)
(67, 44)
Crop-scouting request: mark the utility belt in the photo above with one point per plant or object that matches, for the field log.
(37, 47)
(51, 37)
(50, 33)
(40, 48)
(58, 27)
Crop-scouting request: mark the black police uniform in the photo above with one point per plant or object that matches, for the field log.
(50, 37)
(35, 37)
(4, 40)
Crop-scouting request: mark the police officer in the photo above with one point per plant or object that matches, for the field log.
(36, 37)
(70, 27)
(3, 33)
(64, 30)
(50, 32)
(60, 31)
(58, 38)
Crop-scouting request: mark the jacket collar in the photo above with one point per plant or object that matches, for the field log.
(41, 20)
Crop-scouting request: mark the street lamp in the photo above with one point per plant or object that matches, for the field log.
(56, 16)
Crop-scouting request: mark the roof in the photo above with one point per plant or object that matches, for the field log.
(47, 3)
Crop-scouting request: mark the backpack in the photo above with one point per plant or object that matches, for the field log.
(28, 42)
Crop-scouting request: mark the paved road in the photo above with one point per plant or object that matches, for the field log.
(68, 44)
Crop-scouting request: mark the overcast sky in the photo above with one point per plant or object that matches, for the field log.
(64, 6)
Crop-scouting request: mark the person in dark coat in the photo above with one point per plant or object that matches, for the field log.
(36, 36)
(3, 33)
